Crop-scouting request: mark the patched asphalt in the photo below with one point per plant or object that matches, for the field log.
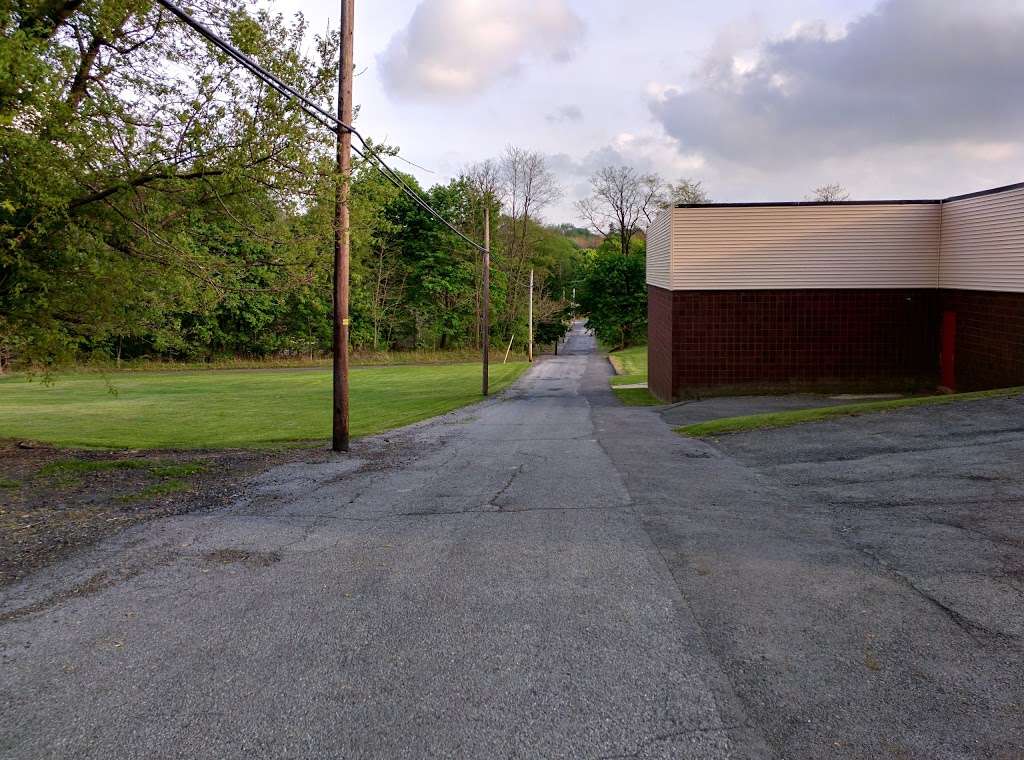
(552, 574)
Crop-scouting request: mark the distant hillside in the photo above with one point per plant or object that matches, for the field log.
(581, 236)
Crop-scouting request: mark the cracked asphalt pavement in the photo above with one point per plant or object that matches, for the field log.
(551, 574)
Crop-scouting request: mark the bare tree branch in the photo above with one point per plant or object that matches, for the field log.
(622, 204)
(834, 193)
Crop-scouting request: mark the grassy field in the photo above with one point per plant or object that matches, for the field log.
(784, 419)
(230, 408)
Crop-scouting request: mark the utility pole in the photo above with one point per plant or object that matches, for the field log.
(339, 422)
(529, 342)
(485, 317)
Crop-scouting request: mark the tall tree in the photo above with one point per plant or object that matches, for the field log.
(528, 186)
(622, 203)
(613, 295)
(132, 156)
(157, 200)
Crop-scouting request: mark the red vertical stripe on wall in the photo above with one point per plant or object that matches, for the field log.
(949, 349)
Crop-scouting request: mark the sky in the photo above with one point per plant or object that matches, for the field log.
(758, 99)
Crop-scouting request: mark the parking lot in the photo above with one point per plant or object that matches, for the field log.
(861, 580)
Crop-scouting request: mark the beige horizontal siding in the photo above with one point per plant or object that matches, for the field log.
(659, 247)
(983, 243)
(835, 246)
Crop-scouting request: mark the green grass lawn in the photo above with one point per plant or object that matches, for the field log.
(631, 365)
(228, 408)
(636, 397)
(784, 419)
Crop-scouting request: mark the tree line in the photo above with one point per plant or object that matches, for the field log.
(156, 201)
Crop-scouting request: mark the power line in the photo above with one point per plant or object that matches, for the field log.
(318, 114)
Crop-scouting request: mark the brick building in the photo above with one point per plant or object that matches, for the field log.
(865, 294)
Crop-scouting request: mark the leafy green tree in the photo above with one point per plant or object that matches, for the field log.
(132, 156)
(613, 295)
(156, 200)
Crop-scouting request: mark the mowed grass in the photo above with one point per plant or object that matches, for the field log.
(227, 408)
(636, 397)
(630, 364)
(743, 424)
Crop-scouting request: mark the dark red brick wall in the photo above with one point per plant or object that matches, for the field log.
(989, 338)
(659, 342)
(794, 337)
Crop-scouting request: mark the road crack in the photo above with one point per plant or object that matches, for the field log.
(968, 625)
(508, 484)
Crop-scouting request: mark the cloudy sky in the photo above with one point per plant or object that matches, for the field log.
(761, 100)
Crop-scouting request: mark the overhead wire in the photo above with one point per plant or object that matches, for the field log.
(318, 114)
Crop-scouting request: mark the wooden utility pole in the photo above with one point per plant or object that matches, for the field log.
(485, 317)
(529, 342)
(339, 440)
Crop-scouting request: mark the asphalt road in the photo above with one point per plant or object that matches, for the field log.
(551, 574)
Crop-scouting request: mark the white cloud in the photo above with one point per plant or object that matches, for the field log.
(815, 30)
(646, 150)
(910, 73)
(655, 151)
(455, 48)
(734, 50)
(660, 91)
(744, 64)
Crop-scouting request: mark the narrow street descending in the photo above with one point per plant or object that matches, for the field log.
(512, 380)
(479, 585)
